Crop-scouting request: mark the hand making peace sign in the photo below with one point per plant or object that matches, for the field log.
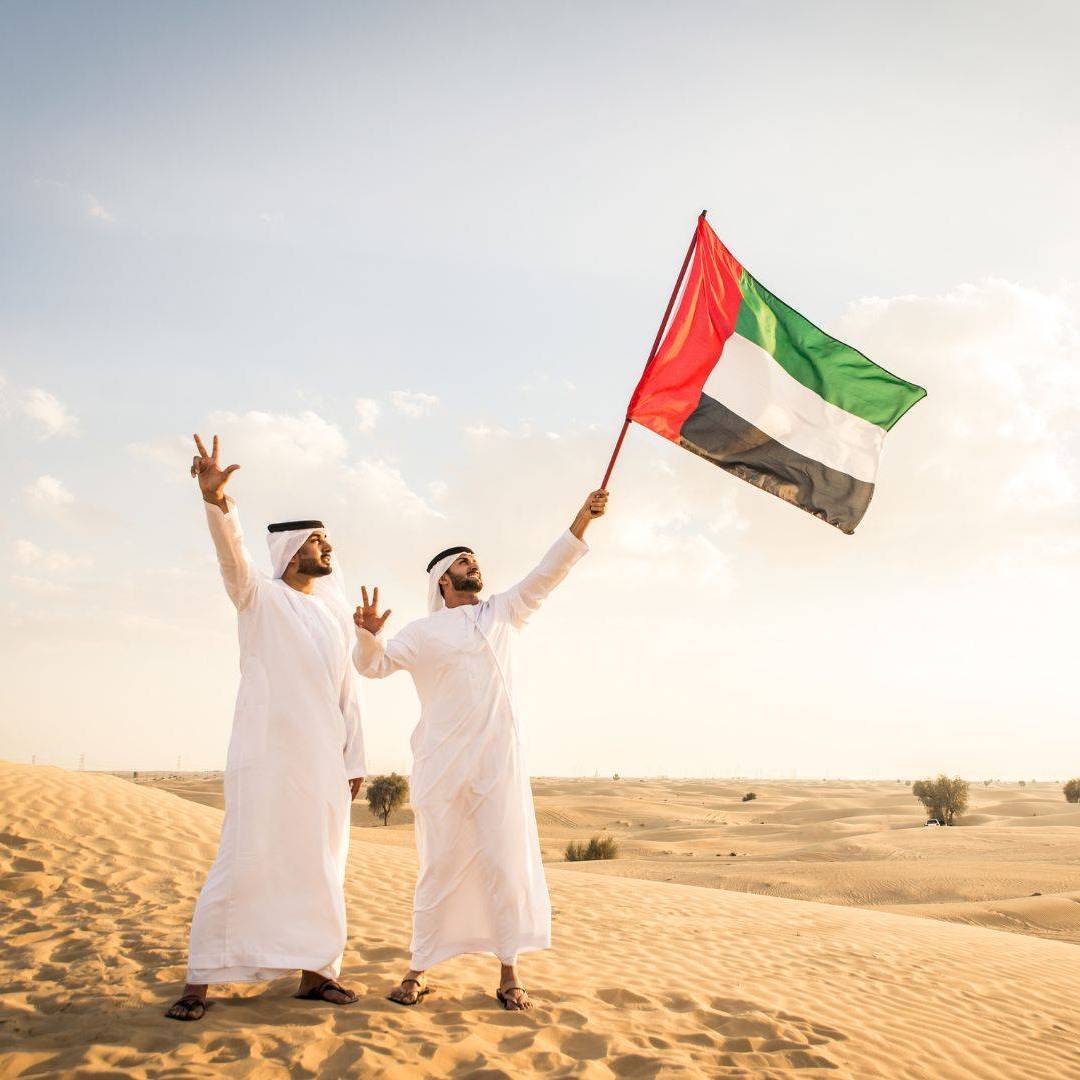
(367, 615)
(208, 471)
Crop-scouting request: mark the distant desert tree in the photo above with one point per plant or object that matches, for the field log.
(1023, 783)
(944, 798)
(750, 796)
(385, 794)
(987, 783)
(614, 776)
(1072, 790)
(599, 847)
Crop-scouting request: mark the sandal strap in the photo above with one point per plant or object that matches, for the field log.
(419, 982)
(507, 989)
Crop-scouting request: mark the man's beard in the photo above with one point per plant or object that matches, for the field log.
(466, 583)
(313, 568)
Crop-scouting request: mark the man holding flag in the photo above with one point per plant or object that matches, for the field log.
(481, 885)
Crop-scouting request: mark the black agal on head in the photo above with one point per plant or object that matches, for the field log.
(290, 526)
(448, 551)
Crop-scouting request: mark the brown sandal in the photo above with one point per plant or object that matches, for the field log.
(318, 993)
(507, 1002)
(422, 991)
(193, 1006)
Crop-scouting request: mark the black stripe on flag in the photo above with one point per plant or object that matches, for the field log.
(714, 432)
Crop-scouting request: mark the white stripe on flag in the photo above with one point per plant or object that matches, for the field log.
(752, 384)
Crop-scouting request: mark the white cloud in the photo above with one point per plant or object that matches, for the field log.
(27, 553)
(483, 431)
(46, 492)
(381, 483)
(95, 210)
(39, 585)
(282, 440)
(367, 414)
(413, 404)
(992, 454)
(49, 412)
(175, 453)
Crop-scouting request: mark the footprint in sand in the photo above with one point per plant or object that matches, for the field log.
(585, 1046)
(624, 999)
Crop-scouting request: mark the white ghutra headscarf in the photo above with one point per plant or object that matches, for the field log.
(436, 568)
(284, 539)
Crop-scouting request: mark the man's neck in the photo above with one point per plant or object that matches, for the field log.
(300, 582)
(460, 599)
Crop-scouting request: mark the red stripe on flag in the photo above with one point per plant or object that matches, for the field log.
(670, 387)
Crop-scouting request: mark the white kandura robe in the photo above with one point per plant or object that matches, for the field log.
(274, 899)
(481, 886)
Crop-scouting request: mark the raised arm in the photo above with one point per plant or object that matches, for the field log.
(517, 604)
(374, 658)
(237, 569)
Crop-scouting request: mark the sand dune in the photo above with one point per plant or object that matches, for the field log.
(838, 842)
(99, 876)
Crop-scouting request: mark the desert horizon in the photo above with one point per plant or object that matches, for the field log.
(842, 938)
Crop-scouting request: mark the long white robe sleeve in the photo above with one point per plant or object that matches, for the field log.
(481, 885)
(274, 901)
(525, 598)
(238, 571)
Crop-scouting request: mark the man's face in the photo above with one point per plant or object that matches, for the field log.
(464, 574)
(313, 558)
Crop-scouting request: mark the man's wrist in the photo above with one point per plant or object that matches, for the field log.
(220, 501)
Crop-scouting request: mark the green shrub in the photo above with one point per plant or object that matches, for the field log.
(944, 798)
(1072, 790)
(385, 794)
(750, 796)
(599, 847)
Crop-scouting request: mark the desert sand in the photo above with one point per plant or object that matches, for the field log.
(651, 974)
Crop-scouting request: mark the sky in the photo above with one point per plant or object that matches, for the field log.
(407, 261)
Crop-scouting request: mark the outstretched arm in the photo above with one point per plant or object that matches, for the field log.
(237, 569)
(518, 603)
(373, 658)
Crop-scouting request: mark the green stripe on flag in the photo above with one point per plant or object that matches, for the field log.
(834, 371)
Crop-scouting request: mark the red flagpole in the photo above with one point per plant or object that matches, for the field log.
(655, 346)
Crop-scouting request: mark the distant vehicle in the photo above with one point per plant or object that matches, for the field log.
(932, 821)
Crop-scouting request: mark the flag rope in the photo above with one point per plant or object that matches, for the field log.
(655, 347)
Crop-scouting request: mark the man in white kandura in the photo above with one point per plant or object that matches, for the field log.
(481, 886)
(274, 900)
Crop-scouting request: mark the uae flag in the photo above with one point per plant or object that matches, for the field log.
(745, 381)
